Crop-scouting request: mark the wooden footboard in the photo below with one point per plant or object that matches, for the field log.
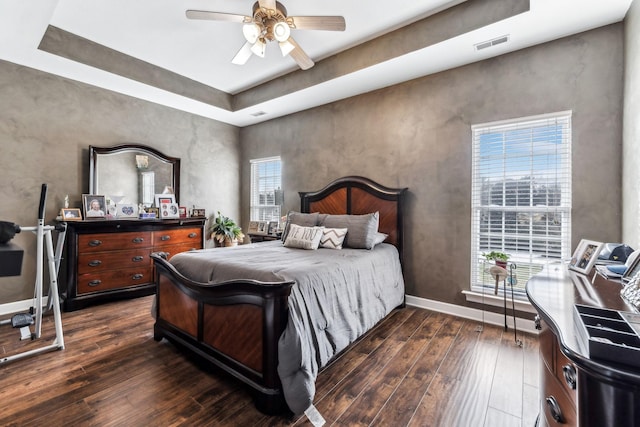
(235, 325)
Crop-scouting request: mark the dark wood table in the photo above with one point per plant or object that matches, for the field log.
(577, 389)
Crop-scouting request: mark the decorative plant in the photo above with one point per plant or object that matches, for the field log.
(496, 256)
(225, 230)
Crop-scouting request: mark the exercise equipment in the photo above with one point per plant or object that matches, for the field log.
(24, 321)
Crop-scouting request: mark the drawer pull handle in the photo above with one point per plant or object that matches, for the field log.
(536, 322)
(94, 283)
(138, 240)
(554, 409)
(192, 235)
(569, 373)
(137, 276)
(165, 238)
(95, 243)
(95, 263)
(137, 258)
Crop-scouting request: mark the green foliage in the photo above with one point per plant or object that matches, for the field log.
(224, 228)
(495, 255)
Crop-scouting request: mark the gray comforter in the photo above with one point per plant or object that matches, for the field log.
(338, 296)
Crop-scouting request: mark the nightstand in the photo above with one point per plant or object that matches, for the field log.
(255, 238)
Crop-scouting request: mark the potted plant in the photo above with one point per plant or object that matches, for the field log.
(225, 231)
(500, 258)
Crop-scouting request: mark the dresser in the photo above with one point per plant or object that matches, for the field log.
(576, 389)
(109, 259)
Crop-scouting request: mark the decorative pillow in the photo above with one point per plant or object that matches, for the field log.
(303, 219)
(362, 229)
(333, 238)
(303, 237)
(380, 237)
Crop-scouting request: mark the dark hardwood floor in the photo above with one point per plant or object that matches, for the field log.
(416, 368)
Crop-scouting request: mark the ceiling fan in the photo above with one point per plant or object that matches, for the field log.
(270, 22)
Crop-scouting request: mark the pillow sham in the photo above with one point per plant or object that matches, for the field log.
(380, 238)
(303, 237)
(333, 238)
(303, 219)
(362, 229)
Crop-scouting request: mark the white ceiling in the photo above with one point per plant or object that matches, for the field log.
(157, 31)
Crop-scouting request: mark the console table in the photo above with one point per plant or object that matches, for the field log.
(109, 259)
(576, 389)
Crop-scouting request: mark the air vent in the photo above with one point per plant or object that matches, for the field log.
(493, 42)
(259, 113)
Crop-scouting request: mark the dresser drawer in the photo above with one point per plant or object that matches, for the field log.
(113, 241)
(566, 374)
(192, 235)
(114, 279)
(171, 250)
(100, 261)
(555, 402)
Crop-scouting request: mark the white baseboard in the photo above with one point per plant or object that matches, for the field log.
(19, 306)
(524, 325)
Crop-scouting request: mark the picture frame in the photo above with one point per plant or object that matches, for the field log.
(153, 210)
(126, 210)
(272, 228)
(198, 213)
(253, 227)
(183, 211)
(585, 256)
(71, 214)
(632, 270)
(164, 199)
(169, 210)
(94, 206)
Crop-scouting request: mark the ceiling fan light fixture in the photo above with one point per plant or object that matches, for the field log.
(286, 47)
(281, 31)
(259, 48)
(251, 32)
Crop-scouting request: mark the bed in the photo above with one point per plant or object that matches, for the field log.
(275, 323)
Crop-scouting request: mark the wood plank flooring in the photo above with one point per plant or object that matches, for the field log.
(416, 368)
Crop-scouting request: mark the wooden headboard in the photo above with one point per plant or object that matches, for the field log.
(355, 195)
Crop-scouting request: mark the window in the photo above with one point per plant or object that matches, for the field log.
(266, 189)
(521, 195)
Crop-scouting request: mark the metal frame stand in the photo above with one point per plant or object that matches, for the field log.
(44, 240)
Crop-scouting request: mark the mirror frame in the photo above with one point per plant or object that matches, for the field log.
(95, 151)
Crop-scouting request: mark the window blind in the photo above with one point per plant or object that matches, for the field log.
(521, 195)
(266, 189)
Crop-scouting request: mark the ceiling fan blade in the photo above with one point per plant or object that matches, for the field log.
(328, 23)
(267, 4)
(300, 56)
(243, 54)
(217, 16)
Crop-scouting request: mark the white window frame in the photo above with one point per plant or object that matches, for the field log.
(533, 234)
(266, 189)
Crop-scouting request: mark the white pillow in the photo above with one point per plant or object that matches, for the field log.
(303, 237)
(333, 238)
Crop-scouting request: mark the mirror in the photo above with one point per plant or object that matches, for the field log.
(132, 173)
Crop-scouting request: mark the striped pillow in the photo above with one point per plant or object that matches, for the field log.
(333, 238)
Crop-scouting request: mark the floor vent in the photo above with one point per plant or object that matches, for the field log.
(493, 42)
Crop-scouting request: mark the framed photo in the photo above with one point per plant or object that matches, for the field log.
(126, 210)
(94, 206)
(253, 227)
(169, 210)
(632, 270)
(198, 213)
(153, 210)
(183, 211)
(585, 256)
(272, 228)
(161, 199)
(71, 214)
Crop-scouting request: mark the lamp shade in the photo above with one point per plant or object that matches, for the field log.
(281, 31)
(251, 32)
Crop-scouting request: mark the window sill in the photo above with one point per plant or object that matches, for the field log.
(498, 301)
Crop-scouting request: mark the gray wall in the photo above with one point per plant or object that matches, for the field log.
(631, 135)
(418, 135)
(46, 126)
